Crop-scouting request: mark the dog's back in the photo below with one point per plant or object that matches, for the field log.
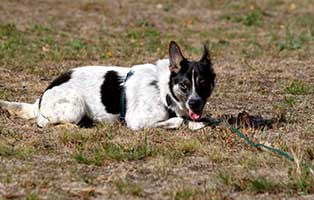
(154, 95)
(91, 91)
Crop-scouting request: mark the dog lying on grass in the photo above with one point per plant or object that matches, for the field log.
(147, 95)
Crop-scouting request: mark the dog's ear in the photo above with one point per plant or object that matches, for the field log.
(206, 56)
(175, 56)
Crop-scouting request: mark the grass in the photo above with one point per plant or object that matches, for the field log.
(128, 187)
(188, 146)
(252, 18)
(142, 150)
(262, 185)
(292, 41)
(262, 54)
(109, 151)
(32, 196)
(4, 94)
(186, 193)
(297, 87)
(290, 101)
(20, 152)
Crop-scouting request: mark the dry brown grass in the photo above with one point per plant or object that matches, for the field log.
(263, 55)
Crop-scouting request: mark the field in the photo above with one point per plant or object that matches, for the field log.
(263, 56)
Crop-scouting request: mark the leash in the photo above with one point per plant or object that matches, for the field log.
(123, 98)
(250, 142)
(270, 148)
(257, 145)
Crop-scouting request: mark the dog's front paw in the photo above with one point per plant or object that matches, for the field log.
(193, 126)
(172, 123)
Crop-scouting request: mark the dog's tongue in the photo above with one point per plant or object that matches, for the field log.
(193, 115)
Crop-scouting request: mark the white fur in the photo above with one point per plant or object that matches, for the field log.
(23, 110)
(146, 105)
(81, 95)
(194, 94)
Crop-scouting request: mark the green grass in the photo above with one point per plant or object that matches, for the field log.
(239, 182)
(6, 150)
(32, 196)
(290, 101)
(19, 152)
(302, 183)
(262, 55)
(292, 41)
(253, 49)
(262, 185)
(77, 137)
(11, 41)
(128, 187)
(76, 45)
(28, 48)
(298, 87)
(252, 18)
(187, 146)
(4, 94)
(89, 153)
(110, 151)
(184, 194)
(148, 37)
(287, 102)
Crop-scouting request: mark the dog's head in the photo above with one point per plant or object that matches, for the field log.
(191, 82)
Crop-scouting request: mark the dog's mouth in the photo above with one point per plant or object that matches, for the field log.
(195, 115)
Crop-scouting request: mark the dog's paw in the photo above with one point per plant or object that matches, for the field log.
(193, 126)
(172, 123)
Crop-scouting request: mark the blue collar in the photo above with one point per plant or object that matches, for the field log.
(123, 97)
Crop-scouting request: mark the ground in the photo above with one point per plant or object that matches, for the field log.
(263, 56)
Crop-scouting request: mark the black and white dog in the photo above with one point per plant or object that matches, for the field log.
(147, 95)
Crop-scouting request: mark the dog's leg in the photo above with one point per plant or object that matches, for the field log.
(176, 122)
(193, 126)
(42, 121)
(171, 123)
(60, 106)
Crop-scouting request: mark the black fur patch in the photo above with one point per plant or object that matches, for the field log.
(154, 84)
(171, 113)
(58, 81)
(185, 73)
(168, 100)
(171, 84)
(111, 92)
(86, 122)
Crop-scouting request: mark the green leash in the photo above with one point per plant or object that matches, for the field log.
(256, 145)
(250, 142)
(278, 151)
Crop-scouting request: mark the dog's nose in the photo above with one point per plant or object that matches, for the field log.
(195, 103)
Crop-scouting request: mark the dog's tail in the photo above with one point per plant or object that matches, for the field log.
(23, 110)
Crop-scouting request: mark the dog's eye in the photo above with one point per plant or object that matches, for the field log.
(202, 83)
(183, 87)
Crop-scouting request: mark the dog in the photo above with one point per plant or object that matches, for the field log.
(161, 95)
